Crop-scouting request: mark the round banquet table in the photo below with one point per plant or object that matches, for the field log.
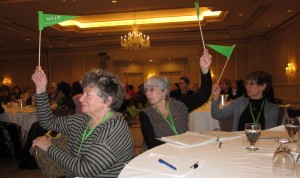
(232, 160)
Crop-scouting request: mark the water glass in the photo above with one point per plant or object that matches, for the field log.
(283, 162)
(291, 127)
(252, 131)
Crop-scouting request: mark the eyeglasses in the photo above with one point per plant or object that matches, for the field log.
(150, 89)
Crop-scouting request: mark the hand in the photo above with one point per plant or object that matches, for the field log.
(43, 142)
(205, 61)
(40, 80)
(216, 90)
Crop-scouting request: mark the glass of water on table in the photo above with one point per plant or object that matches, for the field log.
(252, 131)
(291, 127)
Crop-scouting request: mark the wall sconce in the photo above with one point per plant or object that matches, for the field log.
(6, 81)
(290, 69)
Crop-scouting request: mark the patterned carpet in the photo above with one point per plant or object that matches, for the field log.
(9, 168)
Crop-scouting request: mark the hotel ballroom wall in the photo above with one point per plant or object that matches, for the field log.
(271, 53)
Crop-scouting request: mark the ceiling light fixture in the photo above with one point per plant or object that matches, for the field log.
(155, 17)
(135, 40)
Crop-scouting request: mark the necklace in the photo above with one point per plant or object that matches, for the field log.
(86, 135)
(170, 122)
(255, 120)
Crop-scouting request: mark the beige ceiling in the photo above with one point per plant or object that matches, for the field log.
(19, 31)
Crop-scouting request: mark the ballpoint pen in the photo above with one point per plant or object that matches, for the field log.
(194, 165)
(167, 164)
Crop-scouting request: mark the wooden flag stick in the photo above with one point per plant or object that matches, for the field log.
(40, 47)
(201, 33)
(223, 70)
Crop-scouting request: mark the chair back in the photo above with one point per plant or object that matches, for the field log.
(49, 167)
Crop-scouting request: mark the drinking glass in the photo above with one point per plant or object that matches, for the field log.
(283, 162)
(252, 131)
(297, 166)
(291, 127)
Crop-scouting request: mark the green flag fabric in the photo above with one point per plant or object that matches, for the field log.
(224, 50)
(197, 9)
(46, 20)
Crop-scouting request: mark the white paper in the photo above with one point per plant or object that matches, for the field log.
(151, 164)
(189, 139)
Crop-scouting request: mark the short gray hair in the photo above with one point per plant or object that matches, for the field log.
(106, 84)
(160, 81)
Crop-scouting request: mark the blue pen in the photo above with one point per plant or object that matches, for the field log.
(167, 164)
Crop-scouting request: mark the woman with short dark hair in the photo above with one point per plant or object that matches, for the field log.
(253, 108)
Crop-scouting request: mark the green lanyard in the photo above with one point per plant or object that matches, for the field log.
(86, 135)
(171, 124)
(256, 120)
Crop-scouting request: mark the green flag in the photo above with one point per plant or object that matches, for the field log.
(46, 20)
(197, 9)
(224, 50)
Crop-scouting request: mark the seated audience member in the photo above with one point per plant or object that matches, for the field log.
(16, 93)
(174, 93)
(164, 117)
(184, 83)
(226, 89)
(195, 88)
(65, 101)
(52, 93)
(253, 108)
(76, 93)
(238, 89)
(100, 142)
(5, 94)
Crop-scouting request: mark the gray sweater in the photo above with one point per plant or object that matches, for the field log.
(237, 107)
(154, 126)
(104, 153)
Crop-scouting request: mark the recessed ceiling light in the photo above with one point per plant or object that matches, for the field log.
(150, 60)
(269, 25)
(169, 59)
(240, 15)
(27, 39)
(289, 10)
(100, 34)
(50, 46)
(114, 1)
(186, 29)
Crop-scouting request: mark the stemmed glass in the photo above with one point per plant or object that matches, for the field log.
(291, 127)
(283, 162)
(252, 131)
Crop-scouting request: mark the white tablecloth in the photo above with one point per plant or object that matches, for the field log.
(233, 160)
(24, 117)
(200, 119)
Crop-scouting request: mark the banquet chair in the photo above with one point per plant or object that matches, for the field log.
(5, 141)
(48, 167)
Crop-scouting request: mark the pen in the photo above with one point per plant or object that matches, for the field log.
(194, 165)
(220, 144)
(167, 164)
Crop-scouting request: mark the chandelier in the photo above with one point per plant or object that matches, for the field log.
(135, 40)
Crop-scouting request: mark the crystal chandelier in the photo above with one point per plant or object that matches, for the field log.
(135, 40)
